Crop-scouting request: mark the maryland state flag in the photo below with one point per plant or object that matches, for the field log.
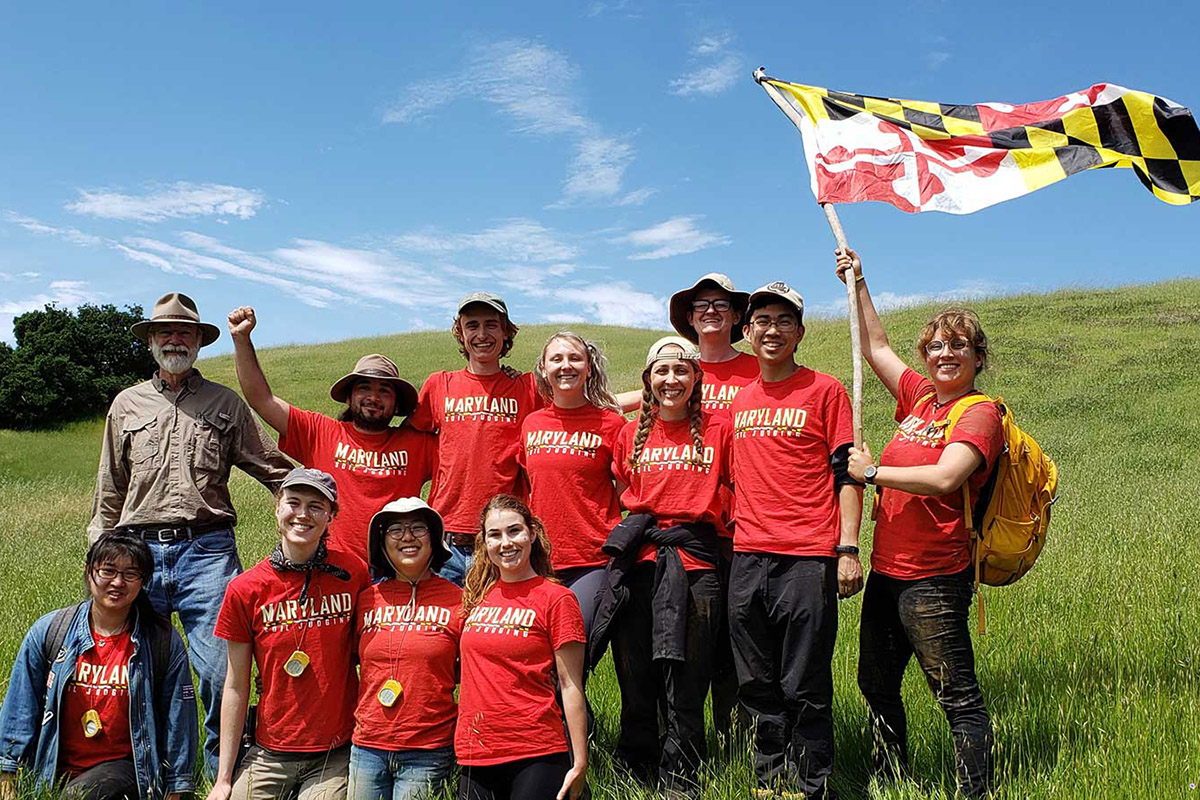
(922, 156)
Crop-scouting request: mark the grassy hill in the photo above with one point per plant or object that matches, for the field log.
(1091, 667)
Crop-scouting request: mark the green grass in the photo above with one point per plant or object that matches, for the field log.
(1091, 668)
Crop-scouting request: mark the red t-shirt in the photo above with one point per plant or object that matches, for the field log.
(783, 435)
(100, 683)
(567, 454)
(507, 709)
(723, 380)
(371, 469)
(478, 422)
(666, 482)
(918, 536)
(313, 711)
(413, 639)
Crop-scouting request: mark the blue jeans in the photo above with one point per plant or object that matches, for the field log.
(397, 774)
(190, 579)
(455, 568)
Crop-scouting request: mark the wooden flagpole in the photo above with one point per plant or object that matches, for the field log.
(835, 224)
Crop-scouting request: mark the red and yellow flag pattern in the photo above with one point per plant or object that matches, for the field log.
(924, 156)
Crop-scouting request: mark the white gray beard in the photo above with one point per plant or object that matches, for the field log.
(173, 363)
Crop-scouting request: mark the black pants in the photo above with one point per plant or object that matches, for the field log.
(783, 622)
(724, 679)
(528, 779)
(673, 689)
(928, 618)
(108, 780)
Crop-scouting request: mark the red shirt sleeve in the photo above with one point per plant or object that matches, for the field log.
(566, 621)
(233, 620)
(621, 451)
(980, 426)
(839, 419)
(725, 449)
(423, 418)
(913, 386)
(302, 428)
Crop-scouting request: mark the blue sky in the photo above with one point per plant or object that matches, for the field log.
(353, 169)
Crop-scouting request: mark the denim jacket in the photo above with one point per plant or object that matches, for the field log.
(162, 724)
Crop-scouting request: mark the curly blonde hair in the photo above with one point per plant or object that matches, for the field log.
(596, 389)
(483, 573)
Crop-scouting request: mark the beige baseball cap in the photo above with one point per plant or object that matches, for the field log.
(671, 347)
(775, 292)
(681, 304)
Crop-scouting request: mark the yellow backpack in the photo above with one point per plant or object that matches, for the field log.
(1008, 524)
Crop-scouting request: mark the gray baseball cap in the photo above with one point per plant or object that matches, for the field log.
(323, 482)
(493, 301)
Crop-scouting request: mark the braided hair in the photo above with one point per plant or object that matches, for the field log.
(649, 413)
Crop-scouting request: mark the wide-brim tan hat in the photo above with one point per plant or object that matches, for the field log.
(681, 305)
(380, 368)
(176, 307)
(376, 554)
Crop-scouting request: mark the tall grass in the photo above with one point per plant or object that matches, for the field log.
(1091, 668)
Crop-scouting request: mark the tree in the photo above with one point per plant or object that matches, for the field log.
(68, 366)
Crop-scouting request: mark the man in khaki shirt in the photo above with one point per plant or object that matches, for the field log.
(169, 445)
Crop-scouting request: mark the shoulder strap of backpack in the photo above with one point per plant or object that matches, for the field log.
(960, 407)
(56, 634)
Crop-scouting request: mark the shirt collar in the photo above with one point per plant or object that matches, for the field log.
(192, 382)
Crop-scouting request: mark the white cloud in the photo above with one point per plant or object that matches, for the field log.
(677, 236)
(519, 239)
(715, 43)
(597, 170)
(711, 79)
(934, 59)
(181, 199)
(891, 301)
(66, 294)
(616, 303)
(536, 87)
(71, 235)
(713, 67)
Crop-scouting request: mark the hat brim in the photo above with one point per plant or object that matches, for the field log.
(406, 393)
(680, 306)
(490, 304)
(209, 333)
(437, 538)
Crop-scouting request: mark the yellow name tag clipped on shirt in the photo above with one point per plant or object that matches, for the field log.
(390, 692)
(296, 664)
(91, 723)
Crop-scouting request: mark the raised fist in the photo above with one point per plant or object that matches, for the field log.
(241, 321)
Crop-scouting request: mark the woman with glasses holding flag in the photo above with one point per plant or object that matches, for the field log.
(409, 624)
(101, 695)
(919, 592)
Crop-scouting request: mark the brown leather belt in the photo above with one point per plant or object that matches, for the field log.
(165, 534)
(463, 541)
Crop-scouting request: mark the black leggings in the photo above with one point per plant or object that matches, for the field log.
(529, 779)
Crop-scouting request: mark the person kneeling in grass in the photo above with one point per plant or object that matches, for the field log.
(293, 616)
(93, 679)
(408, 624)
(522, 639)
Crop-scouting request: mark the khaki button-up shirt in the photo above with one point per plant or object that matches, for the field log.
(167, 455)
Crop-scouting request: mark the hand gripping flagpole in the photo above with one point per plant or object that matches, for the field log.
(760, 75)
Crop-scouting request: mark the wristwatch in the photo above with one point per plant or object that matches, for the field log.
(846, 550)
(869, 474)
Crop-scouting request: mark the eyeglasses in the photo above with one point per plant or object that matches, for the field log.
(958, 346)
(782, 324)
(700, 306)
(108, 574)
(417, 530)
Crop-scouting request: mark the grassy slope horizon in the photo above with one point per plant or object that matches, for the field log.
(1091, 667)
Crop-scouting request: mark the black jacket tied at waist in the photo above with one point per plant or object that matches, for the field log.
(670, 602)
